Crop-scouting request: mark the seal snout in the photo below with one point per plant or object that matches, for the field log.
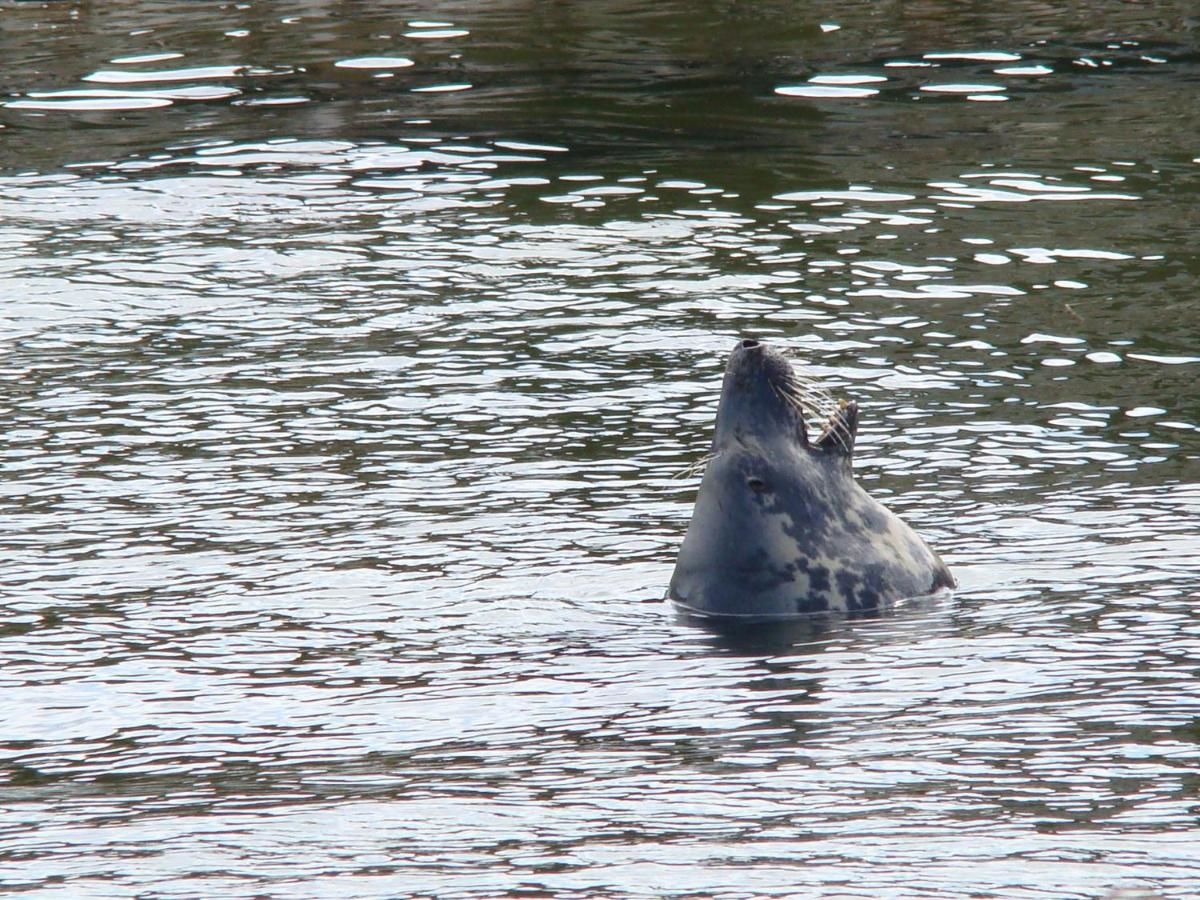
(758, 399)
(759, 366)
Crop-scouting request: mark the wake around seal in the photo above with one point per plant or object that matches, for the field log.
(781, 528)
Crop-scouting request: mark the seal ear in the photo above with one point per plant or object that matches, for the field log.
(838, 436)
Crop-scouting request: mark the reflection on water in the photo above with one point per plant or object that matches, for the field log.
(352, 361)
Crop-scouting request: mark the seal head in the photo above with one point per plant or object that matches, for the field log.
(780, 527)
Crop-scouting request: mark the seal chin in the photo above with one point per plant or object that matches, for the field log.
(780, 527)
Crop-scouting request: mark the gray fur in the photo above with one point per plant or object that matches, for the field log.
(781, 528)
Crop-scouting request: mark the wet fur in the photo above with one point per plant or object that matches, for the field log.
(780, 527)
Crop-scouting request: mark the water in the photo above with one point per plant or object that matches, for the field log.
(346, 402)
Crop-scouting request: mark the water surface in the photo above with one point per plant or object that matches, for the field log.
(353, 363)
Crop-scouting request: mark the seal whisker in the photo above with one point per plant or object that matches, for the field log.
(783, 394)
(808, 386)
(809, 401)
(696, 468)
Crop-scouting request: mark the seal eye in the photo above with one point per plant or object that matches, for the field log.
(756, 484)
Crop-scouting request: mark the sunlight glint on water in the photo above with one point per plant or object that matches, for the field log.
(345, 422)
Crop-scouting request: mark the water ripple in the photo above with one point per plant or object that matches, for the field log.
(348, 453)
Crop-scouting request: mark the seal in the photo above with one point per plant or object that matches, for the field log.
(780, 528)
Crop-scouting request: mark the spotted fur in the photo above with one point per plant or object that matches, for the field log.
(780, 527)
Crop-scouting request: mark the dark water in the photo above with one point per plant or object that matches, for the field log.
(351, 357)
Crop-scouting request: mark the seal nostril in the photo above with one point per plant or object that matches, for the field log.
(756, 484)
(749, 344)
